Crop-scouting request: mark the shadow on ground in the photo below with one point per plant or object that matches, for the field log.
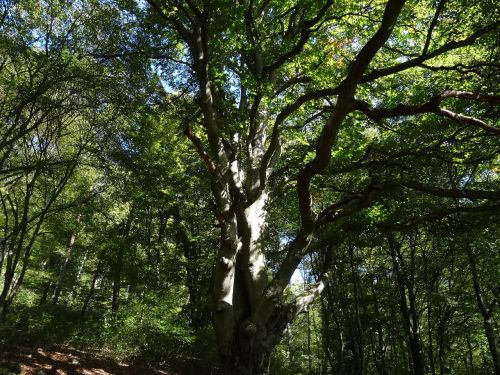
(65, 361)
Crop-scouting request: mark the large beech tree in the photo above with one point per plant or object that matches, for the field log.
(276, 87)
(352, 112)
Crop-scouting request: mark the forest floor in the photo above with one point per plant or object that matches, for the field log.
(67, 361)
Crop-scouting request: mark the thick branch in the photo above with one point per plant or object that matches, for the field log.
(378, 73)
(342, 108)
(324, 145)
(468, 120)
(432, 106)
(433, 24)
(450, 193)
(301, 303)
(495, 99)
(305, 34)
(200, 149)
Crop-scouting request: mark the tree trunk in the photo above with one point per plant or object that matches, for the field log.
(255, 362)
(47, 287)
(490, 336)
(247, 333)
(4, 305)
(410, 319)
(470, 355)
(90, 293)
(115, 300)
(486, 313)
(326, 337)
(357, 337)
(4, 294)
(118, 266)
(443, 321)
(65, 264)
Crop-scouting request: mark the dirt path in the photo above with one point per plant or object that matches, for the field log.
(64, 361)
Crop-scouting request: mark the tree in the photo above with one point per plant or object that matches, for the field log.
(281, 82)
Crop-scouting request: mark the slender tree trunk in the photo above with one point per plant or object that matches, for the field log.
(470, 355)
(358, 341)
(4, 305)
(89, 295)
(410, 322)
(289, 337)
(326, 336)
(82, 264)
(47, 287)
(417, 349)
(11, 285)
(491, 337)
(380, 362)
(118, 266)
(486, 313)
(117, 271)
(65, 264)
(445, 316)
(309, 354)
(430, 282)
(430, 337)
